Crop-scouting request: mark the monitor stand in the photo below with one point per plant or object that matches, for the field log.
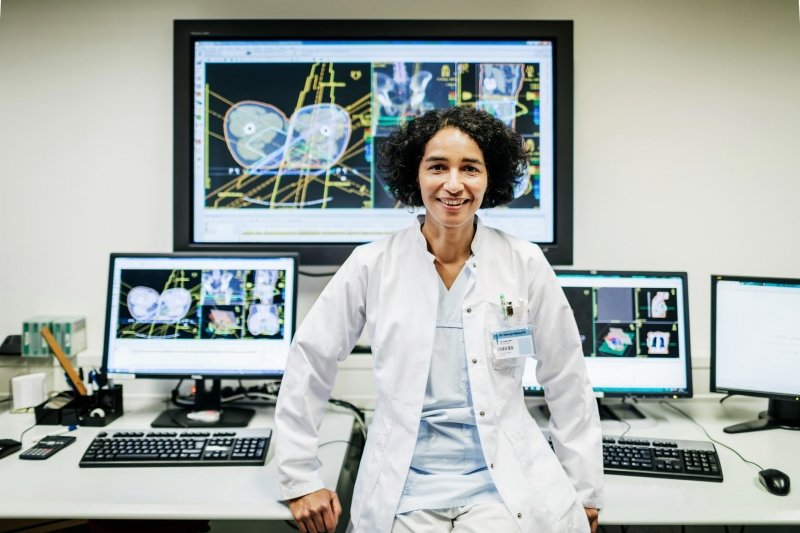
(207, 411)
(621, 412)
(783, 414)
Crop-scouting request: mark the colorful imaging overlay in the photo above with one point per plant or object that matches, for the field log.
(310, 140)
(201, 304)
(626, 321)
(286, 134)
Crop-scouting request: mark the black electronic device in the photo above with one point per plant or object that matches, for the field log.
(243, 447)
(265, 166)
(670, 458)
(12, 345)
(755, 346)
(202, 317)
(47, 447)
(8, 446)
(775, 481)
(634, 329)
(695, 460)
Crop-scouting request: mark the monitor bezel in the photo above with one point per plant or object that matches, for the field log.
(713, 387)
(599, 392)
(187, 32)
(191, 255)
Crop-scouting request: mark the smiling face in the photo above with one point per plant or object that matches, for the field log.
(452, 179)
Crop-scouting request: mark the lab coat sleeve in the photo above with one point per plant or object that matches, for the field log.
(325, 337)
(561, 370)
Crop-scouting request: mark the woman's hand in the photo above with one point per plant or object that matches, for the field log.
(592, 514)
(316, 512)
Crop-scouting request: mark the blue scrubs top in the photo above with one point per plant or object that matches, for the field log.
(448, 468)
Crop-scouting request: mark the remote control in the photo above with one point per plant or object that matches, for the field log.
(46, 448)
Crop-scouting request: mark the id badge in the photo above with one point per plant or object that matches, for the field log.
(513, 342)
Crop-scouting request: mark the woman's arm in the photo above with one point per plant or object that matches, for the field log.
(326, 336)
(561, 369)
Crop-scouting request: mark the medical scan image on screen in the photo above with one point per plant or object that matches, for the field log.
(265, 151)
(175, 315)
(204, 304)
(633, 328)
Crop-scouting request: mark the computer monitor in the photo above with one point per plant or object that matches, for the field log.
(278, 125)
(205, 317)
(634, 329)
(755, 346)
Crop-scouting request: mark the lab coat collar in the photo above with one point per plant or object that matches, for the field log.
(477, 240)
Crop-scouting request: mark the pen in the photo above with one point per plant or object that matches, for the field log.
(508, 307)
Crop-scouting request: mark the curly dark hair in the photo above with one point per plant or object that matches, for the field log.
(503, 151)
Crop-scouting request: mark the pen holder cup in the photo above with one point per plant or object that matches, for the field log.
(99, 409)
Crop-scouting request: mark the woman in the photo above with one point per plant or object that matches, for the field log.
(453, 309)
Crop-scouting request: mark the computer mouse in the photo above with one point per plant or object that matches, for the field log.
(775, 481)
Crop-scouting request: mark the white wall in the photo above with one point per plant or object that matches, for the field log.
(687, 129)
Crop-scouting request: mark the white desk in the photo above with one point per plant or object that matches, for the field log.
(739, 499)
(59, 488)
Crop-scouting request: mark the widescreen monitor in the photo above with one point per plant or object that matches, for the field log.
(755, 346)
(634, 330)
(278, 126)
(205, 317)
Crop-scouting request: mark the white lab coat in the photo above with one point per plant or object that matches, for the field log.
(390, 287)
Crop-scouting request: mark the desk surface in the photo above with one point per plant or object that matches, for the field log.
(59, 488)
(739, 499)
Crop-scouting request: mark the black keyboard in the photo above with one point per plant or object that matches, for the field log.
(178, 448)
(678, 459)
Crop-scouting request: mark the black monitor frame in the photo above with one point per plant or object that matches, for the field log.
(187, 32)
(207, 388)
(625, 410)
(783, 410)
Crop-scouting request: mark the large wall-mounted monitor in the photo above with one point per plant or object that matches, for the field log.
(278, 126)
(201, 317)
(755, 346)
(634, 328)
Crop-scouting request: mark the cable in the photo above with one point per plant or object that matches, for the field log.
(627, 425)
(23, 433)
(349, 443)
(666, 403)
(265, 395)
(725, 397)
(627, 429)
(359, 414)
(5, 400)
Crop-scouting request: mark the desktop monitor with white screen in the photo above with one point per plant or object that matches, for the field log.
(634, 328)
(755, 346)
(197, 316)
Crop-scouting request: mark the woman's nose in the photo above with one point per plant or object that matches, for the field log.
(453, 183)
